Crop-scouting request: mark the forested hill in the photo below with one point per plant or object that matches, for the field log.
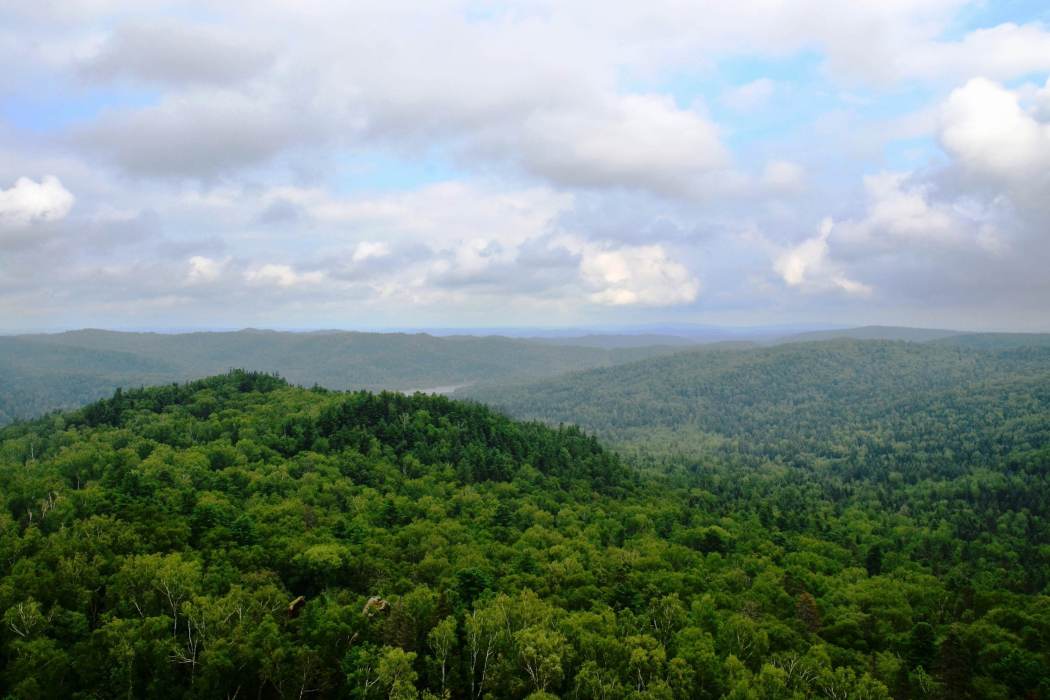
(997, 341)
(66, 370)
(157, 543)
(900, 407)
(912, 335)
(238, 537)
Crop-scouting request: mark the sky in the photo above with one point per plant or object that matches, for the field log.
(316, 164)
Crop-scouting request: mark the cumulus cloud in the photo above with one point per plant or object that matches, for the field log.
(985, 128)
(641, 141)
(902, 209)
(906, 215)
(28, 201)
(636, 275)
(809, 267)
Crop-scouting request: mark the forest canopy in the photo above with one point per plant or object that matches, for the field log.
(241, 537)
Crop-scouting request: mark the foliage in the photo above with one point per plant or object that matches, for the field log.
(241, 537)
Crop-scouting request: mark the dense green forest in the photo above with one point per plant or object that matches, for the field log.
(858, 408)
(39, 373)
(239, 537)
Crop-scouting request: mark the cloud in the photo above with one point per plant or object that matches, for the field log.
(749, 96)
(636, 275)
(900, 209)
(197, 134)
(175, 54)
(439, 214)
(28, 201)
(783, 175)
(282, 276)
(405, 79)
(204, 270)
(642, 141)
(1002, 52)
(366, 250)
(998, 143)
(809, 267)
(906, 215)
(428, 160)
(984, 127)
(1041, 102)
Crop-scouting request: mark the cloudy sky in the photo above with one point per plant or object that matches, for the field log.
(304, 163)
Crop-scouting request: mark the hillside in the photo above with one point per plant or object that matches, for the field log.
(913, 335)
(612, 341)
(65, 370)
(238, 537)
(39, 377)
(910, 408)
(997, 341)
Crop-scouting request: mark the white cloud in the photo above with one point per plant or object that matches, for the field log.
(1002, 52)
(809, 267)
(282, 276)
(581, 174)
(903, 210)
(438, 215)
(985, 128)
(904, 214)
(28, 201)
(636, 275)
(642, 141)
(749, 96)
(202, 270)
(370, 249)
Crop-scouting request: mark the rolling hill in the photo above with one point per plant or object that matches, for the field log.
(914, 335)
(45, 372)
(917, 408)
